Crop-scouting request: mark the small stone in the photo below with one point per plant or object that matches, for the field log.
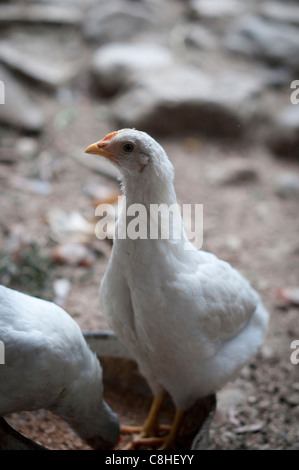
(61, 289)
(117, 21)
(287, 296)
(26, 147)
(249, 428)
(274, 42)
(186, 100)
(19, 110)
(292, 399)
(117, 65)
(200, 37)
(287, 185)
(213, 9)
(230, 398)
(267, 352)
(284, 138)
(233, 243)
(66, 227)
(73, 254)
(31, 185)
(101, 193)
(39, 69)
(56, 14)
(234, 171)
(281, 12)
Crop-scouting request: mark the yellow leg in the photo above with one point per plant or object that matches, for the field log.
(152, 421)
(150, 426)
(169, 440)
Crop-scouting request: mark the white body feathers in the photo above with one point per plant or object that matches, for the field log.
(190, 320)
(48, 364)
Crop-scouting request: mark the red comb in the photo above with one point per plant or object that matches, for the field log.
(109, 136)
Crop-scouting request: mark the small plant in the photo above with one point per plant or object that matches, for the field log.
(28, 270)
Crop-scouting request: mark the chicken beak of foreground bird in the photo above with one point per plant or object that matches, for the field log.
(99, 148)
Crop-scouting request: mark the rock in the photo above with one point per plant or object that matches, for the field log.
(255, 427)
(101, 193)
(117, 65)
(117, 21)
(214, 9)
(287, 185)
(287, 296)
(186, 100)
(292, 399)
(38, 68)
(26, 147)
(282, 12)
(57, 14)
(274, 42)
(233, 170)
(196, 35)
(19, 110)
(31, 185)
(230, 398)
(284, 138)
(73, 254)
(232, 243)
(69, 227)
(61, 289)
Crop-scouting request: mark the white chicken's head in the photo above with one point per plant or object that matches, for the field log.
(134, 152)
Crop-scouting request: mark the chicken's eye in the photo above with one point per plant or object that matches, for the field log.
(128, 147)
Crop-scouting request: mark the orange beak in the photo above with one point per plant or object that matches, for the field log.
(99, 148)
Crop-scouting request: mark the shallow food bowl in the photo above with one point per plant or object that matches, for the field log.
(129, 396)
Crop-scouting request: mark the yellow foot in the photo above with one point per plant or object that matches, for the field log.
(156, 442)
(144, 441)
(127, 429)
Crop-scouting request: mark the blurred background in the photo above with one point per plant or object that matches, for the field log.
(211, 80)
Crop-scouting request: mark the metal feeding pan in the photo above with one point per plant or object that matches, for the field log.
(121, 375)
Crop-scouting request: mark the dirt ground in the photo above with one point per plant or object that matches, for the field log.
(245, 223)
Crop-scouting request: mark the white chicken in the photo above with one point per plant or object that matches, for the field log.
(190, 320)
(48, 364)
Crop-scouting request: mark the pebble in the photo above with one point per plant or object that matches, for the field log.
(185, 100)
(230, 398)
(287, 185)
(19, 110)
(119, 65)
(234, 170)
(284, 138)
(283, 12)
(213, 9)
(40, 69)
(61, 289)
(73, 254)
(255, 427)
(271, 41)
(26, 147)
(117, 21)
(53, 14)
(292, 399)
(31, 185)
(101, 193)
